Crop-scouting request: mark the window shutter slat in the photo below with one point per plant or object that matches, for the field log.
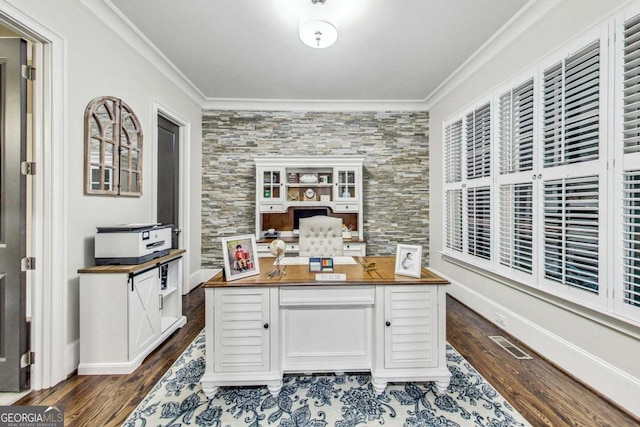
(631, 238)
(479, 221)
(453, 220)
(571, 108)
(453, 152)
(515, 134)
(516, 226)
(631, 93)
(571, 236)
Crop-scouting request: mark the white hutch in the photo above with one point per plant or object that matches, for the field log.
(289, 188)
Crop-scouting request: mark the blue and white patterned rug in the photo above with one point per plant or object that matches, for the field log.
(323, 400)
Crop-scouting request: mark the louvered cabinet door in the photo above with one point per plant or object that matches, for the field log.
(242, 330)
(411, 326)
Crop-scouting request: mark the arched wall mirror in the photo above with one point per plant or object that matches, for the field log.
(113, 148)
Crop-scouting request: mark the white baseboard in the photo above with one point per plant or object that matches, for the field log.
(208, 273)
(199, 277)
(617, 385)
(72, 357)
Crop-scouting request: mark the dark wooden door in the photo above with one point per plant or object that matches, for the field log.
(168, 209)
(14, 339)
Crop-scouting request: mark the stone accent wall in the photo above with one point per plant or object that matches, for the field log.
(395, 179)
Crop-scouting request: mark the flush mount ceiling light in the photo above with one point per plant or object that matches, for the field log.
(318, 34)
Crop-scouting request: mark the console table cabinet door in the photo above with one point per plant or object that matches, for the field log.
(144, 311)
(242, 330)
(411, 327)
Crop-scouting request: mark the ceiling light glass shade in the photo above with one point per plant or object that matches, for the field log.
(318, 34)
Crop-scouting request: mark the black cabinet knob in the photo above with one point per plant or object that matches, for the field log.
(388, 323)
(266, 326)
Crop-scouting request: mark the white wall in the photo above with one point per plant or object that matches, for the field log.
(99, 62)
(597, 354)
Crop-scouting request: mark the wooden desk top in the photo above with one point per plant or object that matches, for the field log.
(296, 240)
(299, 275)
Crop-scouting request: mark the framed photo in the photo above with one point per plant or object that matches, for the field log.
(409, 260)
(240, 257)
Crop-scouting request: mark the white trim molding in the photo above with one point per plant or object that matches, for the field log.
(313, 105)
(184, 205)
(113, 18)
(48, 238)
(534, 12)
(617, 385)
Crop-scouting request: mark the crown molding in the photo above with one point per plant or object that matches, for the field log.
(313, 105)
(530, 15)
(113, 18)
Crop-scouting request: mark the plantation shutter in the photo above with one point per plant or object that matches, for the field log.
(453, 220)
(571, 108)
(478, 142)
(515, 129)
(631, 238)
(515, 190)
(571, 232)
(479, 221)
(453, 152)
(631, 173)
(516, 226)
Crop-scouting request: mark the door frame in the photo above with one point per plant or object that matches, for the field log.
(184, 203)
(47, 224)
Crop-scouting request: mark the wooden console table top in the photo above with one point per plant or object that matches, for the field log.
(297, 275)
(131, 268)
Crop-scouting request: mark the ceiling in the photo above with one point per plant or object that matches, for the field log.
(387, 50)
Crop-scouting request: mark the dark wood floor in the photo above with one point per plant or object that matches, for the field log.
(544, 395)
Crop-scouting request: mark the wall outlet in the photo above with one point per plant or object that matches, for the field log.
(501, 320)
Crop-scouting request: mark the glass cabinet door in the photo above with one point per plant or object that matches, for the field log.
(346, 184)
(272, 185)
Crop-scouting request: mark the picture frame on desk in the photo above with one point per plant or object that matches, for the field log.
(240, 255)
(409, 260)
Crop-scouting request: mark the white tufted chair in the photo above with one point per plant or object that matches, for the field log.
(320, 236)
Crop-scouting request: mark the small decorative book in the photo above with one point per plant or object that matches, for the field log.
(321, 265)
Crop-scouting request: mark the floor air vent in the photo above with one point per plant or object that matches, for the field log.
(511, 348)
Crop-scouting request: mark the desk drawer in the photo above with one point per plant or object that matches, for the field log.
(346, 207)
(326, 295)
(271, 207)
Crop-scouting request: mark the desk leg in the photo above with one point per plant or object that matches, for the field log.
(378, 386)
(274, 388)
(210, 390)
(441, 386)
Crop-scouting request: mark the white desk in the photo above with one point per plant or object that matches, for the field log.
(258, 328)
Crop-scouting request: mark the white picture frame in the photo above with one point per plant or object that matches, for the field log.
(409, 260)
(240, 255)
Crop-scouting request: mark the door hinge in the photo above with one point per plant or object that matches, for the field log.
(28, 263)
(27, 359)
(28, 168)
(28, 72)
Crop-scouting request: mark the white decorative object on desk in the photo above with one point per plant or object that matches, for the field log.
(277, 249)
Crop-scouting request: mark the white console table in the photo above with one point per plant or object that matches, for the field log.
(126, 311)
(259, 328)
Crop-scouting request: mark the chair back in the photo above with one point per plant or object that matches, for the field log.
(320, 236)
